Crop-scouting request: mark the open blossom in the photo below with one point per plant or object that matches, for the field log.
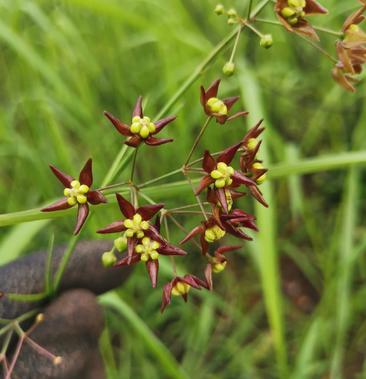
(217, 263)
(148, 250)
(142, 129)
(136, 225)
(77, 192)
(222, 177)
(180, 286)
(215, 107)
(216, 227)
(293, 13)
(351, 51)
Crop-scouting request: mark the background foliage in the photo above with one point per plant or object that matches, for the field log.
(290, 302)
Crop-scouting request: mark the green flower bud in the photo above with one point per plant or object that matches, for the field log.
(109, 259)
(232, 12)
(120, 244)
(219, 9)
(228, 68)
(266, 41)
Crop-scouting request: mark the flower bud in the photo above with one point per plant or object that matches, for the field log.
(219, 9)
(120, 244)
(266, 41)
(229, 68)
(109, 259)
(232, 12)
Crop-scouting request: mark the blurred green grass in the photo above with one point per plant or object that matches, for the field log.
(63, 62)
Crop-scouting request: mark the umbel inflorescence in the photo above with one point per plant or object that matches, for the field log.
(138, 231)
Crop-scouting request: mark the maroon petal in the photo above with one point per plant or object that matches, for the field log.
(192, 233)
(83, 211)
(230, 101)
(153, 270)
(226, 249)
(204, 183)
(212, 89)
(147, 212)
(115, 227)
(120, 126)
(96, 197)
(208, 276)
(236, 232)
(86, 174)
(134, 141)
(203, 97)
(62, 177)
(171, 250)
(152, 141)
(228, 154)
(131, 243)
(124, 261)
(222, 199)
(208, 163)
(153, 233)
(204, 245)
(242, 179)
(163, 122)
(236, 115)
(258, 195)
(137, 111)
(57, 206)
(193, 281)
(167, 295)
(127, 209)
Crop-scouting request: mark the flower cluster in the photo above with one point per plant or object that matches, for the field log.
(351, 50)
(139, 235)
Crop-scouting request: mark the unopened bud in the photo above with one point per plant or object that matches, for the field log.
(120, 244)
(219, 9)
(232, 12)
(229, 68)
(109, 259)
(232, 20)
(266, 41)
(39, 318)
(57, 360)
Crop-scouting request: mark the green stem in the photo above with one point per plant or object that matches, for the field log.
(152, 181)
(235, 45)
(249, 9)
(318, 28)
(198, 139)
(116, 165)
(133, 164)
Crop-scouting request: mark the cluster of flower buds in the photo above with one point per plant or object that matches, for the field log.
(231, 14)
(351, 50)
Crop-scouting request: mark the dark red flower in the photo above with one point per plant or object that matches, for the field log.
(216, 227)
(77, 192)
(148, 250)
(292, 15)
(142, 129)
(180, 286)
(221, 176)
(351, 51)
(217, 263)
(136, 225)
(217, 108)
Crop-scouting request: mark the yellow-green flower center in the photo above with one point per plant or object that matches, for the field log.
(76, 194)
(180, 289)
(217, 267)
(252, 144)
(214, 233)
(142, 126)
(294, 11)
(259, 166)
(217, 106)
(148, 249)
(135, 226)
(222, 175)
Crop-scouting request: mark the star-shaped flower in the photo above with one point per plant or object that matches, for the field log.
(292, 15)
(141, 129)
(217, 108)
(180, 286)
(77, 192)
(136, 225)
(221, 176)
(216, 227)
(148, 250)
